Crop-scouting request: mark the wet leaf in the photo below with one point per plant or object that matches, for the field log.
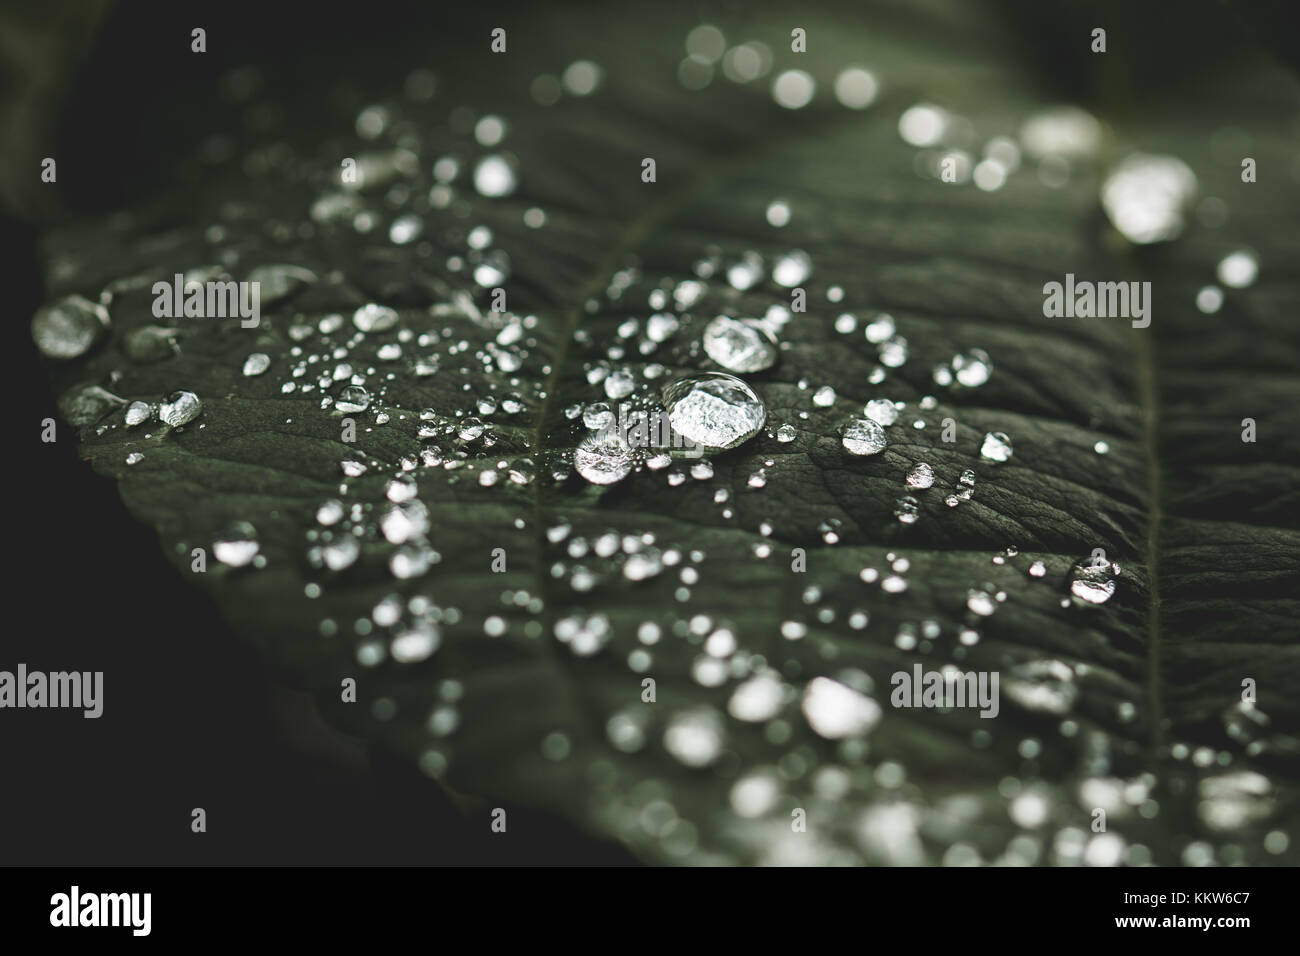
(772, 595)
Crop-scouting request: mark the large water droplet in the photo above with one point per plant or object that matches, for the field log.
(714, 410)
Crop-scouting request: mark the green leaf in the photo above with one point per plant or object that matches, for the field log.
(1132, 705)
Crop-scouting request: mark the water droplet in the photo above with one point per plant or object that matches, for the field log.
(862, 436)
(836, 711)
(415, 645)
(1093, 583)
(740, 345)
(603, 459)
(923, 125)
(996, 447)
(137, 413)
(597, 415)
(374, 318)
(786, 434)
(582, 77)
(353, 398)
(921, 476)
(256, 364)
(1046, 686)
(620, 384)
(793, 89)
(341, 554)
(695, 737)
(880, 329)
(792, 269)
(180, 408)
(238, 546)
(68, 328)
(980, 602)
(1063, 131)
(778, 213)
(714, 410)
(1145, 197)
(274, 282)
(1210, 299)
(824, 397)
(906, 510)
(855, 88)
(1238, 269)
(494, 177)
(405, 229)
(150, 343)
(404, 522)
(1037, 570)
(744, 273)
(881, 410)
(972, 369)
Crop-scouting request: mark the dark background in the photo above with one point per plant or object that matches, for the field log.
(191, 719)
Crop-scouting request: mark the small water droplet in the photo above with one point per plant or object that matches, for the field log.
(256, 364)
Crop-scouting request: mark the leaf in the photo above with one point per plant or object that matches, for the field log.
(1132, 705)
